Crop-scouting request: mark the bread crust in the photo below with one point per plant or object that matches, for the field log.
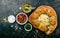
(44, 10)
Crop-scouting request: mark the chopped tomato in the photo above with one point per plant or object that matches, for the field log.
(21, 18)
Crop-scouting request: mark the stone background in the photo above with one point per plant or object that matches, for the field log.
(8, 7)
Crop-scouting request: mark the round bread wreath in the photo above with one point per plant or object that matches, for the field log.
(52, 18)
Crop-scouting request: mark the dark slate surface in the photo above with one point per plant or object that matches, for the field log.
(8, 7)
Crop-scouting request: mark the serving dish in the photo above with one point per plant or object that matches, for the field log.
(28, 27)
(21, 18)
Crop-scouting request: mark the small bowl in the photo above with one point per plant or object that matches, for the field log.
(27, 8)
(28, 27)
(11, 19)
(21, 18)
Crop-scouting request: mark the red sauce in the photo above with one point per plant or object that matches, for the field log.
(21, 18)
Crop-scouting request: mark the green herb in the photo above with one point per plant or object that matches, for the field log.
(28, 27)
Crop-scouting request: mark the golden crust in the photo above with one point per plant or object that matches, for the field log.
(51, 29)
(53, 20)
(43, 28)
(35, 23)
(44, 10)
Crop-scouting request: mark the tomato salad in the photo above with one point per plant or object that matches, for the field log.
(21, 18)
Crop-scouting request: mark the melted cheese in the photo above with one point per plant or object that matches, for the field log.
(44, 20)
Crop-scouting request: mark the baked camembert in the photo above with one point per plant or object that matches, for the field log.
(44, 18)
